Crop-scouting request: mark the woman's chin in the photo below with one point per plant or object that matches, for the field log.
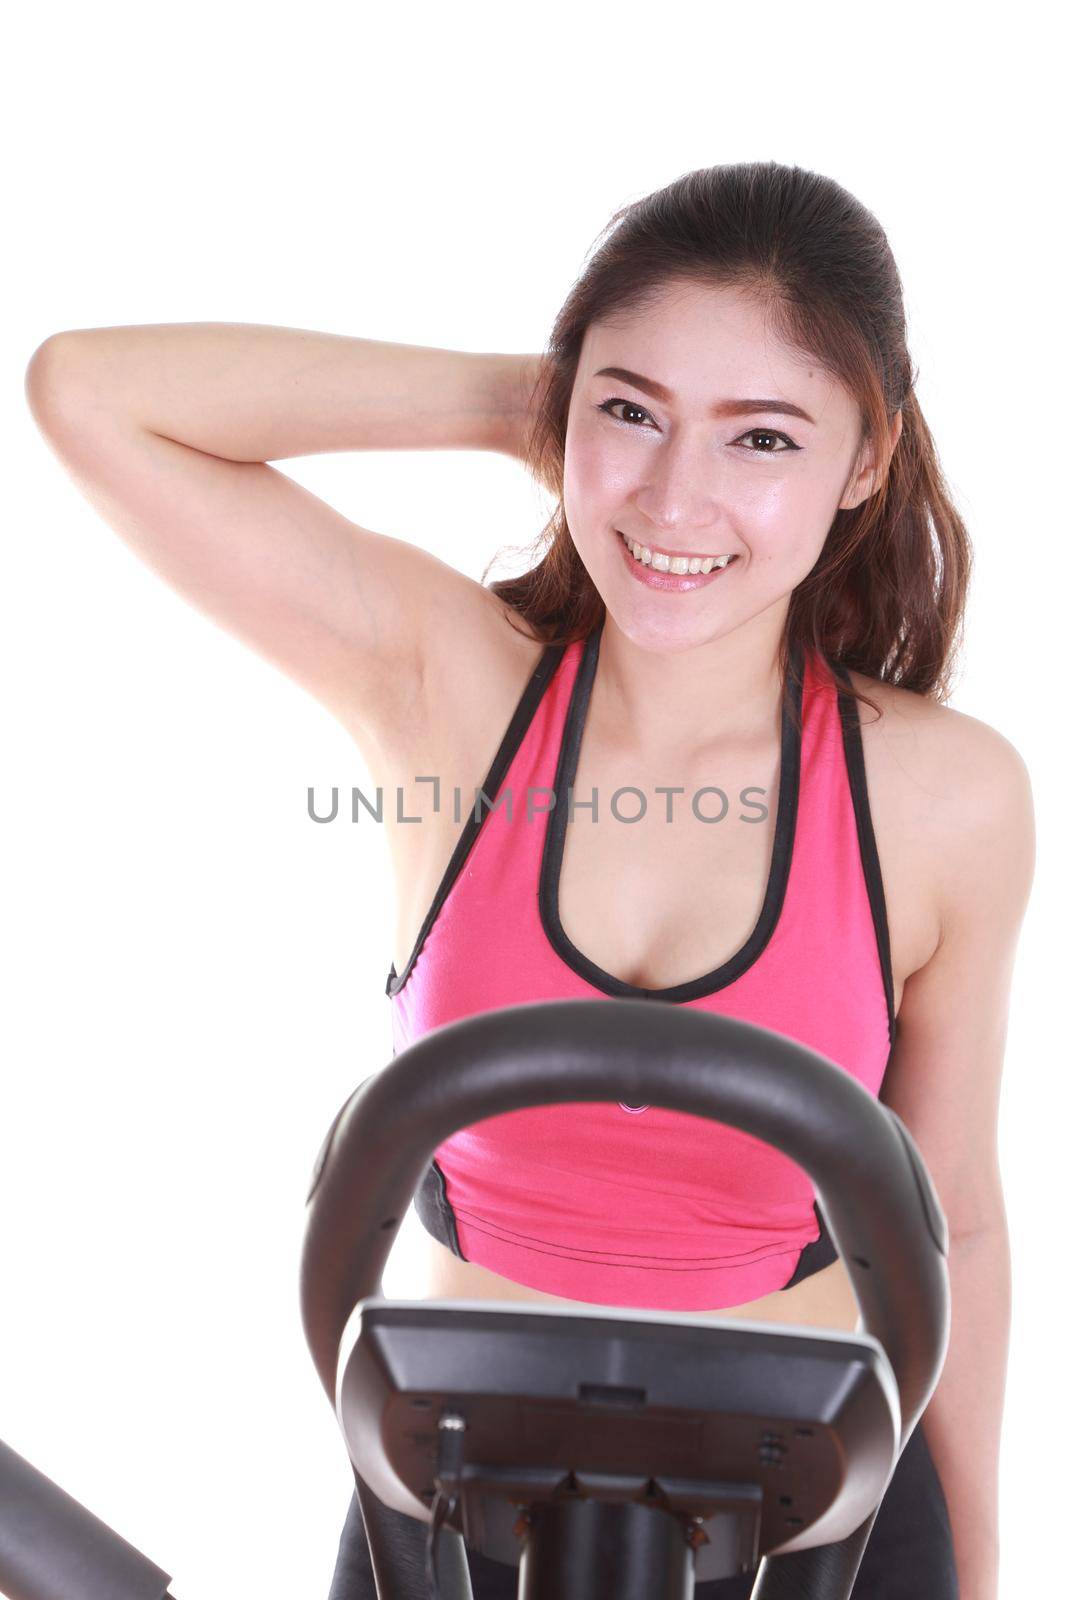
(652, 628)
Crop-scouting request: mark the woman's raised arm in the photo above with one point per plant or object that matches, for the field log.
(167, 430)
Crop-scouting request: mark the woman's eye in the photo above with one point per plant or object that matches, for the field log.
(757, 433)
(629, 404)
(770, 433)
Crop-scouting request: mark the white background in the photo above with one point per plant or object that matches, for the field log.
(195, 971)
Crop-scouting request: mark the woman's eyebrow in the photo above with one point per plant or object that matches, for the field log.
(722, 408)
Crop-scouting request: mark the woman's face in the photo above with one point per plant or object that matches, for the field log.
(670, 457)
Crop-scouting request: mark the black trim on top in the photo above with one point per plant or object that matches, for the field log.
(872, 870)
(434, 1210)
(821, 1252)
(521, 717)
(781, 854)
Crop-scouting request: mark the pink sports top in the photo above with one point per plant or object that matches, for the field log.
(635, 1205)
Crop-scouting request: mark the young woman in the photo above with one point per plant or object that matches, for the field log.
(738, 639)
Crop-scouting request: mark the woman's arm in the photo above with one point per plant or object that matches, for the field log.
(167, 430)
(246, 391)
(943, 1080)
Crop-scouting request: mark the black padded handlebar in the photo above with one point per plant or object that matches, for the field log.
(52, 1548)
(879, 1204)
(880, 1207)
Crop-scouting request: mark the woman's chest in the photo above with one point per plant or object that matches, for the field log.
(664, 870)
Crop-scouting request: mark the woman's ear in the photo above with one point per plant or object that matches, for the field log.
(865, 478)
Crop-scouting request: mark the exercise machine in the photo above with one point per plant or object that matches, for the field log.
(603, 1454)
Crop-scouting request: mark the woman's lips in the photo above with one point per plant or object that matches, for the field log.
(676, 581)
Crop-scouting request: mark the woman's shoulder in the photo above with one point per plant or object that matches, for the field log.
(960, 750)
(956, 795)
(954, 781)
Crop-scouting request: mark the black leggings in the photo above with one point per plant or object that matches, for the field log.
(909, 1552)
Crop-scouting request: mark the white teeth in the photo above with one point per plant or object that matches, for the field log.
(676, 564)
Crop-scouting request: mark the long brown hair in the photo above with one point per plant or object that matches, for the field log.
(887, 594)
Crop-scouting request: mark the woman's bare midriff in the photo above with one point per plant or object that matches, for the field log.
(824, 1300)
(489, 673)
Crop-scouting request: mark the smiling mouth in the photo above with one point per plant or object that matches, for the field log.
(679, 563)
